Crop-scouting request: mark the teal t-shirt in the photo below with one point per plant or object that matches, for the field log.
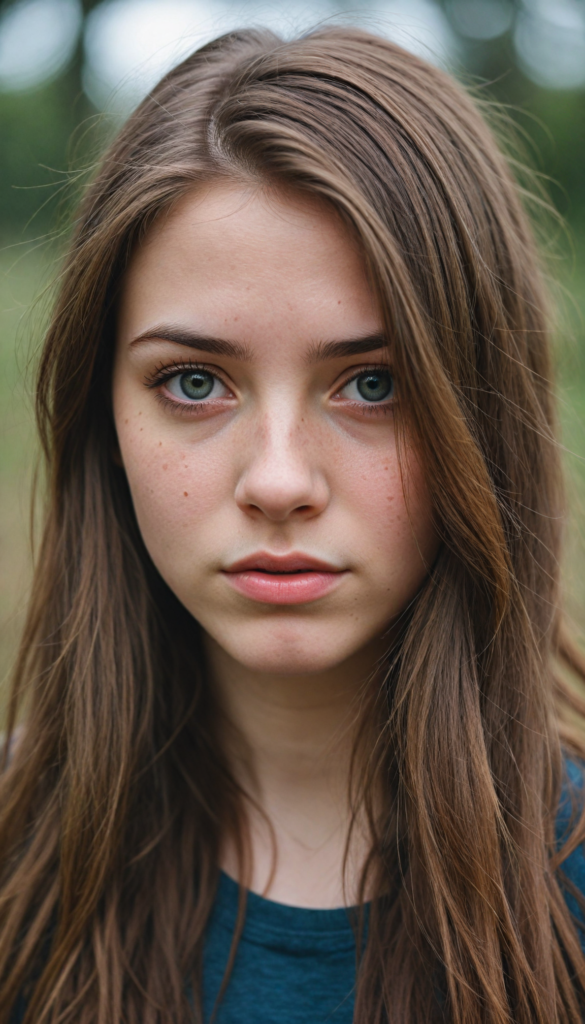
(293, 965)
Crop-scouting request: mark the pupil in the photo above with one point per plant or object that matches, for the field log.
(196, 384)
(375, 387)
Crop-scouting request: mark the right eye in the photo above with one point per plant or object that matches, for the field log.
(196, 386)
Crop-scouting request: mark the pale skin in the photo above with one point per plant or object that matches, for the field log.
(278, 442)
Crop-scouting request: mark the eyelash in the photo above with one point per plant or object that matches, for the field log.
(165, 372)
(370, 408)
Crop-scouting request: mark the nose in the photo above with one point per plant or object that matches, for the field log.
(283, 475)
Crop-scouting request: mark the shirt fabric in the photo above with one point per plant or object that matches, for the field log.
(573, 868)
(293, 965)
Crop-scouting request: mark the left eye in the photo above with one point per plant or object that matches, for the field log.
(370, 386)
(196, 385)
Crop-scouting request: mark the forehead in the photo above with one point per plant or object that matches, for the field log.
(249, 263)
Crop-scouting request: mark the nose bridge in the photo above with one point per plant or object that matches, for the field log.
(281, 474)
(281, 426)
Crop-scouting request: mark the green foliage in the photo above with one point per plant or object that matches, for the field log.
(21, 275)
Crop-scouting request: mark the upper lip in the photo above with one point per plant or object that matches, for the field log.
(293, 562)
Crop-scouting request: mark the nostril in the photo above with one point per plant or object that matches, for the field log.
(281, 491)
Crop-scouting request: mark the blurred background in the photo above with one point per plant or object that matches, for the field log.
(70, 72)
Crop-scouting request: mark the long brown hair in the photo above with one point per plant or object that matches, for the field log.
(113, 806)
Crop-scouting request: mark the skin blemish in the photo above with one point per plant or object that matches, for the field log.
(165, 465)
(185, 494)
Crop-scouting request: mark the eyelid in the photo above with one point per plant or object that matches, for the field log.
(354, 373)
(167, 371)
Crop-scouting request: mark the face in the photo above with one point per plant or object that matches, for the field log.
(255, 409)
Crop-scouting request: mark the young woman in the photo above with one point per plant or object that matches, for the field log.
(292, 743)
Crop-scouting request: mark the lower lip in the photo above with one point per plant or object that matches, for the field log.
(284, 588)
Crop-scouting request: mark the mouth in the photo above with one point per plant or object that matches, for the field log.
(283, 579)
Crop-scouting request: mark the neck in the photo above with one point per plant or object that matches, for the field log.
(290, 740)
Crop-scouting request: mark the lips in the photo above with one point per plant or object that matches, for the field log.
(283, 579)
(264, 562)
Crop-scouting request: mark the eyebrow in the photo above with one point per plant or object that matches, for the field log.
(191, 339)
(350, 347)
(317, 353)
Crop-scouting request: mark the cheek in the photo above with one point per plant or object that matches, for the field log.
(172, 491)
(167, 494)
(172, 498)
(396, 516)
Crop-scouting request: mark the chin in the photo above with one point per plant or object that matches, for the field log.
(298, 663)
(278, 649)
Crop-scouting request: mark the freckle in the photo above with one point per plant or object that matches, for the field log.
(140, 413)
(141, 429)
(125, 421)
(339, 302)
(186, 494)
(165, 465)
(160, 444)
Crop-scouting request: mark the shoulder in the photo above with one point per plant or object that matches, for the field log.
(569, 811)
(572, 799)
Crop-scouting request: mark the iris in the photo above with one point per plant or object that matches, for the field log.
(375, 385)
(196, 384)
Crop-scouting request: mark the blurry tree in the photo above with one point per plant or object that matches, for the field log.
(553, 120)
(41, 140)
(49, 130)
